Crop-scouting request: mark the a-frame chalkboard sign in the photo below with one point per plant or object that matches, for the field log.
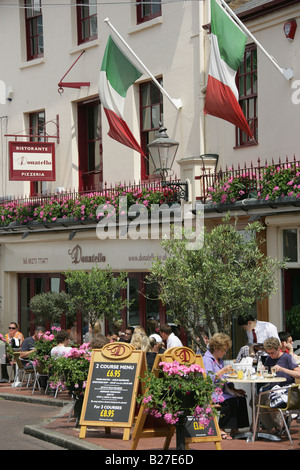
(112, 386)
(193, 432)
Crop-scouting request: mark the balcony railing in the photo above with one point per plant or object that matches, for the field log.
(87, 206)
(256, 181)
(107, 190)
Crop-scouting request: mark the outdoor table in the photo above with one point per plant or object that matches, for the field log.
(251, 436)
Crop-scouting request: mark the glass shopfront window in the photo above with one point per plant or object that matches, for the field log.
(290, 244)
(143, 307)
(29, 286)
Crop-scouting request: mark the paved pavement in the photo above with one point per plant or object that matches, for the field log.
(60, 429)
(14, 416)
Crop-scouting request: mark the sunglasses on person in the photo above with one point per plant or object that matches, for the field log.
(12, 327)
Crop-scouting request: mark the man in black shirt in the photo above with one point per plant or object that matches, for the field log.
(29, 344)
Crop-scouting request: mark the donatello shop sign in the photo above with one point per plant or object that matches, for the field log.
(31, 161)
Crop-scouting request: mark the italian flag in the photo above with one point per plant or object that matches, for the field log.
(227, 50)
(116, 76)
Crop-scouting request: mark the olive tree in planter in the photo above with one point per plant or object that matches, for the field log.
(96, 294)
(220, 278)
(49, 306)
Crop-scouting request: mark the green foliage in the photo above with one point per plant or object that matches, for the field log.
(274, 181)
(96, 294)
(279, 181)
(70, 371)
(232, 189)
(49, 306)
(8, 349)
(42, 349)
(223, 277)
(293, 321)
(177, 386)
(92, 206)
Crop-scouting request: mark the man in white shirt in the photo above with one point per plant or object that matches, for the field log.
(172, 341)
(257, 331)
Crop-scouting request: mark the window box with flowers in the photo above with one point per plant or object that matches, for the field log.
(83, 208)
(273, 182)
(231, 189)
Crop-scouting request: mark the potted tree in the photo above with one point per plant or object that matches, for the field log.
(49, 306)
(96, 294)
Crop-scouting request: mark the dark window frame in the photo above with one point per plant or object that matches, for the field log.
(84, 19)
(34, 31)
(90, 164)
(145, 131)
(147, 10)
(246, 80)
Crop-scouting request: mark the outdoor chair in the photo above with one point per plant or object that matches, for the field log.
(292, 408)
(56, 390)
(37, 375)
(23, 373)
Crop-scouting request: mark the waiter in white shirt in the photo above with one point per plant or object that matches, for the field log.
(172, 341)
(257, 331)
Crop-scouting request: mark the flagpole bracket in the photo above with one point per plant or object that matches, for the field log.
(177, 103)
(288, 73)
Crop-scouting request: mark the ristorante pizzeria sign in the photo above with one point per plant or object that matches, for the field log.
(31, 161)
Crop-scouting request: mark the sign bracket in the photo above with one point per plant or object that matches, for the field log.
(43, 135)
(78, 85)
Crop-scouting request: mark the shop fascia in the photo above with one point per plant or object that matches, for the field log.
(152, 222)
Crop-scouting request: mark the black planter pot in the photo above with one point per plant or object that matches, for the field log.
(180, 432)
(77, 408)
(187, 402)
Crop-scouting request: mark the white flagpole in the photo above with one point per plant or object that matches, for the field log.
(286, 72)
(177, 103)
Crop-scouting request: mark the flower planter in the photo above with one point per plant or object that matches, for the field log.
(187, 402)
(77, 408)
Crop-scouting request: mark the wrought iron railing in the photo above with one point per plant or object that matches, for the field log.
(107, 190)
(252, 176)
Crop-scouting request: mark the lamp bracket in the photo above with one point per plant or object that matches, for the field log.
(183, 189)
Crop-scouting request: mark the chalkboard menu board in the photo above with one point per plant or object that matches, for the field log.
(111, 391)
(112, 387)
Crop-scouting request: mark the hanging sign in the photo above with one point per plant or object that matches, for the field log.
(112, 386)
(31, 161)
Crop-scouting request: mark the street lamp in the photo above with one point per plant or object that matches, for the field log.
(163, 152)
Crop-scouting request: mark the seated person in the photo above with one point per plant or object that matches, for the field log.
(234, 414)
(28, 346)
(155, 347)
(287, 345)
(14, 336)
(285, 366)
(99, 341)
(62, 348)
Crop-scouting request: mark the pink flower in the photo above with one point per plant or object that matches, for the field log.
(147, 399)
